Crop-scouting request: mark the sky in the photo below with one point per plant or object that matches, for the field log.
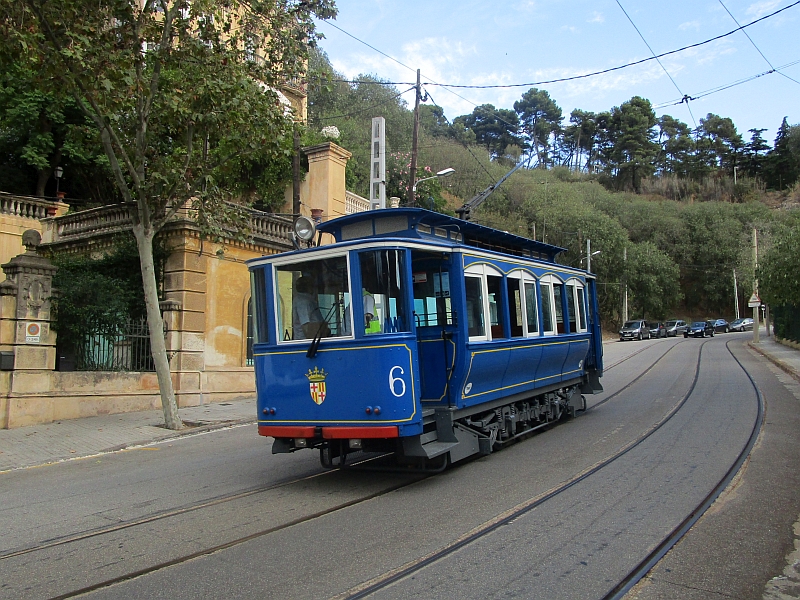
(506, 43)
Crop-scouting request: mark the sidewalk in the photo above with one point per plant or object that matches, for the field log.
(75, 438)
(65, 440)
(785, 357)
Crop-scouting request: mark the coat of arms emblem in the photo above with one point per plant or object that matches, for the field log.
(316, 384)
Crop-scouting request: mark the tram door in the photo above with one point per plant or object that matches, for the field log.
(435, 320)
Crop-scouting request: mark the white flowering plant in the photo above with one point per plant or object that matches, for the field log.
(331, 132)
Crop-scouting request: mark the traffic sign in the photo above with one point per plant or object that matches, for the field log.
(754, 301)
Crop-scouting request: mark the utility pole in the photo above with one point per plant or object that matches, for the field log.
(625, 285)
(413, 170)
(296, 175)
(755, 300)
(735, 294)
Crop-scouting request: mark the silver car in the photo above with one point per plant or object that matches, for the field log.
(745, 324)
(675, 327)
(634, 330)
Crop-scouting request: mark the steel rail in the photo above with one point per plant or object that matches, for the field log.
(383, 581)
(676, 534)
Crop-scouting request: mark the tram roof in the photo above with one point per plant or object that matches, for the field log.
(419, 223)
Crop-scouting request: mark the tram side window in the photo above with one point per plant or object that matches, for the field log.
(576, 301)
(312, 298)
(515, 306)
(548, 324)
(558, 292)
(474, 294)
(582, 308)
(571, 308)
(258, 290)
(494, 285)
(382, 297)
(531, 308)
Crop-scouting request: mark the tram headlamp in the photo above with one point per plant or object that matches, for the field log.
(304, 228)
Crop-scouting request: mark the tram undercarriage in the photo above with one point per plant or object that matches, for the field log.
(451, 435)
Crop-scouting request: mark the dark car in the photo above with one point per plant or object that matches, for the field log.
(676, 326)
(721, 326)
(634, 330)
(700, 329)
(745, 324)
(657, 329)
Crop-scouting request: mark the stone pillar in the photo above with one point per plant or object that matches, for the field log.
(25, 303)
(184, 312)
(326, 179)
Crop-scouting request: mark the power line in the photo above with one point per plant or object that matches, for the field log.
(754, 45)
(387, 101)
(726, 86)
(660, 64)
(574, 77)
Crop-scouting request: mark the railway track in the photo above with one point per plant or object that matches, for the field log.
(387, 579)
(508, 517)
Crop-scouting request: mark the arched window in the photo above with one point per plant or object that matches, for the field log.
(552, 308)
(523, 308)
(483, 285)
(576, 305)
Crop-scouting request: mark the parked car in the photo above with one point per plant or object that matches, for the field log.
(700, 329)
(721, 326)
(745, 324)
(634, 330)
(657, 329)
(676, 326)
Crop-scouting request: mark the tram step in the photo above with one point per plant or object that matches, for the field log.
(434, 449)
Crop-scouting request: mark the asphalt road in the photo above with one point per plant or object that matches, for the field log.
(257, 524)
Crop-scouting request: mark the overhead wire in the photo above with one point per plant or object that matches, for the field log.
(726, 86)
(660, 64)
(754, 45)
(574, 77)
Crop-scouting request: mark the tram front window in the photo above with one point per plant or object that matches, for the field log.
(383, 304)
(313, 297)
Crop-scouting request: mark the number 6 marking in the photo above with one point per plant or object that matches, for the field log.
(393, 380)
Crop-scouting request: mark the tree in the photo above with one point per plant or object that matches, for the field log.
(782, 166)
(495, 128)
(182, 96)
(755, 153)
(580, 136)
(720, 144)
(540, 117)
(653, 280)
(632, 147)
(677, 145)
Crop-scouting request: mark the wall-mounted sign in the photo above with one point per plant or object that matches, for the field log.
(33, 332)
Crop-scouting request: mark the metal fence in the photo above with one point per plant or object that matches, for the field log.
(787, 321)
(125, 348)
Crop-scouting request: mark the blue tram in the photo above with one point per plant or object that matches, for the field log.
(419, 334)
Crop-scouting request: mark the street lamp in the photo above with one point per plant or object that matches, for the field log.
(443, 173)
(59, 172)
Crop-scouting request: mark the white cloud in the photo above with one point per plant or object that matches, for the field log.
(569, 28)
(689, 25)
(759, 9)
(596, 18)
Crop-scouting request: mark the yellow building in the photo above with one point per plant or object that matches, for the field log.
(207, 299)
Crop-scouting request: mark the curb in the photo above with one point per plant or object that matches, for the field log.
(777, 362)
(185, 432)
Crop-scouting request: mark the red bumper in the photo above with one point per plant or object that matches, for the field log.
(329, 433)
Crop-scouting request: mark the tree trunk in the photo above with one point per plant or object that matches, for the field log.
(144, 242)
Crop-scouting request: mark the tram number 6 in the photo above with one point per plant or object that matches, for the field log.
(393, 381)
